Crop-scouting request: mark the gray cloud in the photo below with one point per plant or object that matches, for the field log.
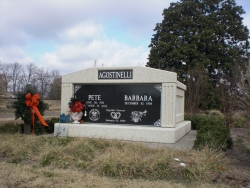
(22, 20)
(77, 29)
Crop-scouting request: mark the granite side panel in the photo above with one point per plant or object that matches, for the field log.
(180, 95)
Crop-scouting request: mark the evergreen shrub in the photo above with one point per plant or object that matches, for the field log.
(239, 122)
(200, 120)
(10, 128)
(51, 123)
(39, 129)
(216, 136)
(211, 131)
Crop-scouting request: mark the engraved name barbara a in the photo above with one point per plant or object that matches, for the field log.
(137, 98)
(115, 74)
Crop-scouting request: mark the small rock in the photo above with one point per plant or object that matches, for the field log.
(176, 159)
(182, 164)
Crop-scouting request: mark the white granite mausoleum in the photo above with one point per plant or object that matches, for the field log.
(172, 125)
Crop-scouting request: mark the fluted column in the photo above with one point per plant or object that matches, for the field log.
(67, 93)
(168, 111)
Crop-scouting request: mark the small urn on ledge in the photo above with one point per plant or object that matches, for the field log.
(76, 116)
(76, 107)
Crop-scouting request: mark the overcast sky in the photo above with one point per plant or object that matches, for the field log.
(70, 35)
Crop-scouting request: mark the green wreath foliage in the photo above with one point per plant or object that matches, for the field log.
(22, 111)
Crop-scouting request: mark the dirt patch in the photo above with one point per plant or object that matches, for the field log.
(240, 152)
(238, 172)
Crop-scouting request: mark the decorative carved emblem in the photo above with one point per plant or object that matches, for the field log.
(94, 114)
(115, 115)
(77, 87)
(137, 115)
(158, 87)
(157, 123)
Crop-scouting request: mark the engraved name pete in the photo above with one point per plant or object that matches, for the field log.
(115, 74)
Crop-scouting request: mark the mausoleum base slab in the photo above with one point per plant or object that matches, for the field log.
(124, 132)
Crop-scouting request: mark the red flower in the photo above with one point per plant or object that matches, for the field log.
(77, 107)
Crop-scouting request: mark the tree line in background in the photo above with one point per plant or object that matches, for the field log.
(206, 43)
(203, 41)
(16, 78)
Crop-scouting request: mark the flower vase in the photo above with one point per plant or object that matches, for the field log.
(76, 116)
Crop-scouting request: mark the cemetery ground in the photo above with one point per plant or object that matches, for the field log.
(47, 161)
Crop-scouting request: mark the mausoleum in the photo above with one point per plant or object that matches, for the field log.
(126, 103)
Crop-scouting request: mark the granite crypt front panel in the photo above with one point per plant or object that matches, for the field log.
(133, 104)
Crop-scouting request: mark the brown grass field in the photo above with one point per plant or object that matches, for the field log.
(47, 161)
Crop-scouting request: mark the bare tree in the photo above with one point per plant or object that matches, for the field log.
(2, 85)
(196, 86)
(17, 78)
(28, 72)
(15, 70)
(4, 68)
(55, 89)
(42, 81)
(242, 94)
(55, 85)
(20, 84)
(28, 77)
(55, 74)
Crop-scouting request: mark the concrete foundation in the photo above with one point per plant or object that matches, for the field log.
(125, 132)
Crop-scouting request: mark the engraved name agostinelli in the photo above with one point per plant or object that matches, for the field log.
(138, 98)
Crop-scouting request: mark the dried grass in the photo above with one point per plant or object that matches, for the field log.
(52, 157)
(12, 175)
